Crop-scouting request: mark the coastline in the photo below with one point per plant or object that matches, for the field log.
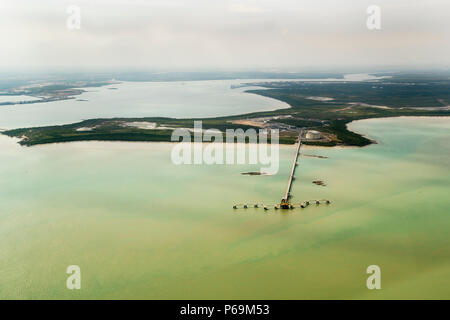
(310, 146)
(158, 135)
(332, 118)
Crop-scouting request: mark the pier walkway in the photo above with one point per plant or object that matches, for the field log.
(285, 201)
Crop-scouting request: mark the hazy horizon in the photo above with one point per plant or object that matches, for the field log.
(265, 35)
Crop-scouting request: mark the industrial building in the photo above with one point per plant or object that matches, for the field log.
(313, 135)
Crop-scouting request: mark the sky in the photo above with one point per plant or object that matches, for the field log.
(225, 34)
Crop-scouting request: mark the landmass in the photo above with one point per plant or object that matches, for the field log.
(323, 108)
(51, 91)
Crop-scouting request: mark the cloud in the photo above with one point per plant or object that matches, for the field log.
(216, 34)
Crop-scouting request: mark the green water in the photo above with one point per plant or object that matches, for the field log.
(140, 227)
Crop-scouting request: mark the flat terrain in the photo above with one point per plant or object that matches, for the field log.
(325, 106)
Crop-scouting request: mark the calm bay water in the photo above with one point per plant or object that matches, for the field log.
(18, 98)
(141, 227)
(142, 99)
(177, 99)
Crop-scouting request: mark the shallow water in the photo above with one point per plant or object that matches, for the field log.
(18, 98)
(142, 99)
(141, 227)
(176, 99)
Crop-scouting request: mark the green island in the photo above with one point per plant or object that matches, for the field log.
(325, 107)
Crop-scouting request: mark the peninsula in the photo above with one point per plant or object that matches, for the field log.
(324, 107)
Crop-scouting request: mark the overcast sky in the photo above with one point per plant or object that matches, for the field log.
(200, 34)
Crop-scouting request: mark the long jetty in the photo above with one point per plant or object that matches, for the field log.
(287, 195)
(285, 204)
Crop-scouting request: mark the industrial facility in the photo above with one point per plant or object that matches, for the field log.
(313, 135)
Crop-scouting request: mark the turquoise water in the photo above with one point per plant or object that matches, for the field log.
(140, 227)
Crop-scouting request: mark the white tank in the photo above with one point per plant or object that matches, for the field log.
(313, 135)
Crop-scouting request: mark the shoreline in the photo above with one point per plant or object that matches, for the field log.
(18, 140)
(331, 118)
(160, 135)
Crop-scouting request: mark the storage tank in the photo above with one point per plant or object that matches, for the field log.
(313, 135)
